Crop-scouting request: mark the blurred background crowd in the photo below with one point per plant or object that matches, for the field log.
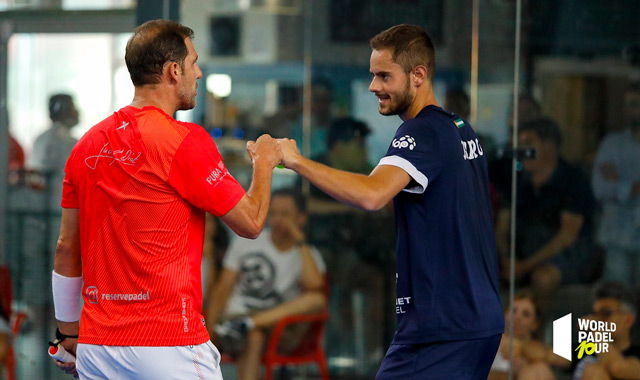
(300, 69)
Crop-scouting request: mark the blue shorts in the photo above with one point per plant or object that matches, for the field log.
(460, 360)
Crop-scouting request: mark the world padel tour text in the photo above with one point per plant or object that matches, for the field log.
(594, 336)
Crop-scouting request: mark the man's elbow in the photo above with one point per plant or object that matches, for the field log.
(64, 249)
(373, 201)
(249, 230)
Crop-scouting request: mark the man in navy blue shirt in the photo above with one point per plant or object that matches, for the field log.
(449, 312)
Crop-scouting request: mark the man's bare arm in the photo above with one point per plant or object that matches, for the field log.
(370, 192)
(248, 216)
(67, 260)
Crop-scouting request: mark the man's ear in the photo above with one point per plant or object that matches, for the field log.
(173, 71)
(418, 75)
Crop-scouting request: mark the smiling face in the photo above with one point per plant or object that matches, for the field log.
(390, 84)
(188, 86)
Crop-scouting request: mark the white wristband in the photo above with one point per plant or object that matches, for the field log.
(66, 297)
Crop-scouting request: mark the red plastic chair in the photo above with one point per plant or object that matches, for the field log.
(16, 318)
(310, 350)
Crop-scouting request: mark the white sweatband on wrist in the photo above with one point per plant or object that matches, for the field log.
(66, 297)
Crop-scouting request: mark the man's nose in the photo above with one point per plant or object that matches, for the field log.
(373, 86)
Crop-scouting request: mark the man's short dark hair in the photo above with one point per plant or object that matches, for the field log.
(345, 129)
(294, 194)
(545, 128)
(410, 46)
(617, 291)
(59, 106)
(153, 44)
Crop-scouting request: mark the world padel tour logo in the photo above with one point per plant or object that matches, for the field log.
(593, 337)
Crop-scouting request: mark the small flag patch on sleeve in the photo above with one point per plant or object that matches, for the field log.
(459, 123)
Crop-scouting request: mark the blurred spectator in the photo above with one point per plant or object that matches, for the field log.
(531, 357)
(288, 120)
(265, 280)
(616, 185)
(52, 148)
(456, 100)
(614, 303)
(500, 165)
(346, 151)
(528, 110)
(554, 209)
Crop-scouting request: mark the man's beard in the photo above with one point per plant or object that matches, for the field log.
(187, 100)
(401, 105)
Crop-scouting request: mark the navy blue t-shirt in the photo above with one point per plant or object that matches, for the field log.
(446, 260)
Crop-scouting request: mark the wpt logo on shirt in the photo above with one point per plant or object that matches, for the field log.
(593, 336)
(404, 142)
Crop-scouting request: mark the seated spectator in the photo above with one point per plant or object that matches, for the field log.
(346, 151)
(500, 165)
(554, 209)
(614, 303)
(264, 280)
(531, 357)
(616, 185)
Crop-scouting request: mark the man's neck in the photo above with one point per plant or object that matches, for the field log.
(422, 100)
(157, 96)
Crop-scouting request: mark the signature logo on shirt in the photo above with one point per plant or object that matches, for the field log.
(125, 157)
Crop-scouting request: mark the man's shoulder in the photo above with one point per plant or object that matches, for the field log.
(436, 120)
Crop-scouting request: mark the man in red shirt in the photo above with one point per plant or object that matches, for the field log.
(136, 189)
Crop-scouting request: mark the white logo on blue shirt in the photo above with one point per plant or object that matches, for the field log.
(404, 142)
